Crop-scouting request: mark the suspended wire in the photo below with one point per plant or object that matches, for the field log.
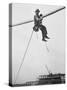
(23, 57)
(54, 12)
(49, 72)
(36, 35)
(21, 23)
(46, 46)
(43, 17)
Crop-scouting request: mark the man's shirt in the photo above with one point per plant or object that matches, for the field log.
(36, 20)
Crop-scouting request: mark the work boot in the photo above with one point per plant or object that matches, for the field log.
(44, 40)
(47, 37)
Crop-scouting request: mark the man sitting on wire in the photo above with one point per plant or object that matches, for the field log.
(38, 25)
(36, 20)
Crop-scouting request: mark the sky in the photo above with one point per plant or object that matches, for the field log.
(37, 55)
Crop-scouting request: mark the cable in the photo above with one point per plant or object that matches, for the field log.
(48, 14)
(21, 23)
(54, 12)
(46, 46)
(36, 35)
(23, 57)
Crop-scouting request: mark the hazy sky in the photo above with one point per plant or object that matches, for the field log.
(37, 55)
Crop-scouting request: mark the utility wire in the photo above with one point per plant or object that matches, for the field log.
(36, 35)
(21, 23)
(48, 14)
(23, 57)
(53, 12)
(46, 46)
